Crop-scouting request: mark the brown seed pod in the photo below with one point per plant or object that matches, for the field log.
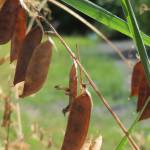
(8, 15)
(137, 75)
(38, 69)
(78, 122)
(144, 93)
(18, 35)
(31, 41)
(73, 86)
(2, 3)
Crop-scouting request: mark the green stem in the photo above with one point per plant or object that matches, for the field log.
(103, 16)
(124, 139)
(134, 28)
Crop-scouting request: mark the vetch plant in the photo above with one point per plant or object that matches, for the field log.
(34, 57)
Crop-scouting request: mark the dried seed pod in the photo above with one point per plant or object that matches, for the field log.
(38, 69)
(31, 41)
(137, 75)
(78, 122)
(144, 93)
(18, 35)
(8, 15)
(73, 83)
(2, 3)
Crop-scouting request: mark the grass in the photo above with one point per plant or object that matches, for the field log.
(44, 108)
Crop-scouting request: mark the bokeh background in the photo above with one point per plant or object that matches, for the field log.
(42, 119)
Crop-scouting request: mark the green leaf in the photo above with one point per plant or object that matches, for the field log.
(103, 16)
(135, 31)
(134, 28)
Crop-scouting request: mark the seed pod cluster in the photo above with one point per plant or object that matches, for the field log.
(140, 88)
(33, 57)
(33, 62)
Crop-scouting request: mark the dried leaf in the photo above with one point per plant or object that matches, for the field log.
(31, 41)
(78, 122)
(96, 144)
(38, 69)
(137, 75)
(8, 15)
(18, 35)
(144, 93)
(73, 86)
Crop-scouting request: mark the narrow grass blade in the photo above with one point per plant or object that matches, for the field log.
(103, 16)
(134, 28)
(123, 142)
(135, 31)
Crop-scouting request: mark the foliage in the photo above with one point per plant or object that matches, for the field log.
(34, 57)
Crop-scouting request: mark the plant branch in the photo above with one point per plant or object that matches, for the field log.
(124, 139)
(93, 28)
(99, 94)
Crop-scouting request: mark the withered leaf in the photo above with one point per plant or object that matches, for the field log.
(8, 15)
(73, 86)
(144, 93)
(38, 69)
(78, 122)
(18, 35)
(31, 41)
(137, 75)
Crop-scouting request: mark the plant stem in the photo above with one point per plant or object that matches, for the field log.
(93, 85)
(135, 31)
(124, 139)
(93, 28)
(80, 70)
(99, 94)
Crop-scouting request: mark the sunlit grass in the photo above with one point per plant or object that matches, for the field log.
(45, 108)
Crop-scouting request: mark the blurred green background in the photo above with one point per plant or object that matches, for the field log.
(43, 111)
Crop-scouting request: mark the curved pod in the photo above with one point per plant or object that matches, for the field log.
(137, 75)
(31, 41)
(38, 69)
(18, 35)
(8, 15)
(73, 86)
(78, 122)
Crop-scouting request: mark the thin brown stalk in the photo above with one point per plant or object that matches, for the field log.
(42, 4)
(98, 92)
(93, 28)
(80, 70)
